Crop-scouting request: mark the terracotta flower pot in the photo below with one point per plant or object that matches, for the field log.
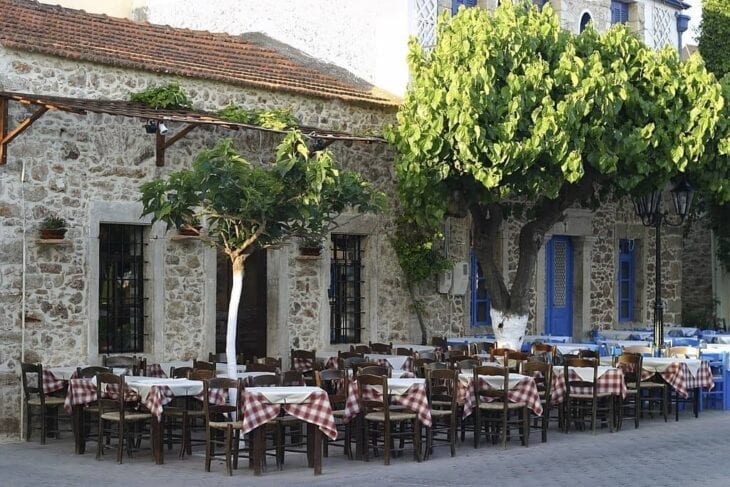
(53, 233)
(189, 230)
(310, 250)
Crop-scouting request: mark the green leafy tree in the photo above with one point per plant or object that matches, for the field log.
(248, 206)
(511, 112)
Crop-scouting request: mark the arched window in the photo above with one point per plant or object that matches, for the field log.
(584, 21)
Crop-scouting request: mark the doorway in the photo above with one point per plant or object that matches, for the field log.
(559, 286)
(251, 331)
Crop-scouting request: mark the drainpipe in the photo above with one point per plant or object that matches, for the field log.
(682, 25)
(22, 290)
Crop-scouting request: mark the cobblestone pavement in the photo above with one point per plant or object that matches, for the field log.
(685, 453)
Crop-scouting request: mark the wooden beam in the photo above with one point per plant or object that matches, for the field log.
(10, 136)
(3, 129)
(161, 143)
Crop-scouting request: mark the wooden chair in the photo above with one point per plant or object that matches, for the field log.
(466, 365)
(493, 408)
(542, 372)
(440, 342)
(426, 355)
(349, 363)
(684, 352)
(404, 351)
(344, 355)
(694, 399)
(137, 366)
(201, 374)
(374, 370)
(305, 361)
(222, 358)
(275, 428)
(593, 354)
(256, 367)
(498, 353)
(202, 365)
(453, 359)
(90, 410)
(580, 404)
(336, 383)
(185, 410)
(37, 403)
(270, 361)
(482, 347)
(544, 350)
(459, 349)
(645, 351)
(113, 401)
(180, 372)
(378, 412)
(418, 366)
(630, 364)
(381, 348)
(218, 417)
(442, 390)
(515, 360)
(292, 378)
(266, 381)
(360, 349)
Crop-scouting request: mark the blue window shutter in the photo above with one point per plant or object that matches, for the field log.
(619, 12)
(466, 3)
(626, 280)
(480, 305)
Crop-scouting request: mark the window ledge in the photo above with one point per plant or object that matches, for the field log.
(53, 241)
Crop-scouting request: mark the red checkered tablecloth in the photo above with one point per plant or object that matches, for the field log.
(407, 364)
(414, 399)
(155, 370)
(303, 364)
(524, 392)
(681, 379)
(83, 391)
(51, 383)
(332, 363)
(257, 410)
(610, 382)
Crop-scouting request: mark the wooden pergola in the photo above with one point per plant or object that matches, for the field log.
(122, 108)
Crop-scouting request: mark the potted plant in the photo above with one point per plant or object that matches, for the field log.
(189, 230)
(311, 244)
(53, 228)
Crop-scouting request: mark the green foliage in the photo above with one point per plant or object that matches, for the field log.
(509, 107)
(418, 256)
(272, 119)
(53, 223)
(169, 96)
(714, 40)
(246, 205)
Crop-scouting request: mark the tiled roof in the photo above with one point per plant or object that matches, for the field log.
(255, 61)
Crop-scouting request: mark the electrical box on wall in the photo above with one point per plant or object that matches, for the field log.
(460, 278)
(444, 281)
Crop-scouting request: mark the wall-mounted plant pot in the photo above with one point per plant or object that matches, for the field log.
(310, 251)
(52, 233)
(189, 230)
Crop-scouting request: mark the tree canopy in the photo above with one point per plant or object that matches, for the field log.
(510, 111)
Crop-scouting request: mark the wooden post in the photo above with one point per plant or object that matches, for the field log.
(3, 129)
(160, 149)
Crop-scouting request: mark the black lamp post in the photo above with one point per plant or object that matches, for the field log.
(649, 208)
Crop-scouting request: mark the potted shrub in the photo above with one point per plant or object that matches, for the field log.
(53, 228)
(311, 245)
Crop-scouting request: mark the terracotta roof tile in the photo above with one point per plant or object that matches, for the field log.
(253, 60)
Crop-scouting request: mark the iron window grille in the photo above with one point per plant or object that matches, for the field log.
(480, 304)
(626, 280)
(345, 292)
(121, 288)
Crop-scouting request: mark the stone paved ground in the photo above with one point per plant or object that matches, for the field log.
(691, 452)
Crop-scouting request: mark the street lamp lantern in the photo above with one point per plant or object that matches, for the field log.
(648, 207)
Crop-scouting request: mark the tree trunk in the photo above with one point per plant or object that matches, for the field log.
(417, 308)
(237, 261)
(509, 328)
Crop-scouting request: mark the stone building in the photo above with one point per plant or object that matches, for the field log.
(87, 168)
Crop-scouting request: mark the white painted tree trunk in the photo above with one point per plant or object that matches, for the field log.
(232, 326)
(509, 329)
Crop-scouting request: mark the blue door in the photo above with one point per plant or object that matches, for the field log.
(559, 288)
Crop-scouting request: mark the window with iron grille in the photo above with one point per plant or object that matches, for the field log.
(455, 4)
(480, 304)
(345, 292)
(121, 288)
(626, 280)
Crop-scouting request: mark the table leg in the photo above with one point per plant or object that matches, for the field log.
(77, 419)
(316, 435)
(156, 433)
(258, 437)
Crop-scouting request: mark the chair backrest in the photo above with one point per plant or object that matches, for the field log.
(577, 382)
(202, 365)
(426, 355)
(440, 342)
(466, 364)
(368, 403)
(215, 411)
(544, 348)
(645, 351)
(222, 358)
(500, 353)
(441, 386)
(303, 360)
(91, 371)
(459, 349)
(418, 366)
(542, 373)
(630, 364)
(271, 361)
(136, 365)
(255, 367)
(110, 393)
(349, 363)
(32, 378)
(374, 370)
(335, 382)
(292, 378)
(266, 381)
(201, 374)
(589, 354)
(434, 366)
(491, 393)
(515, 360)
(344, 355)
(360, 348)
(454, 359)
(356, 366)
(381, 348)
(483, 347)
(181, 372)
(404, 351)
(683, 352)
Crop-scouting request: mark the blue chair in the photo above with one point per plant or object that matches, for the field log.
(718, 397)
(685, 342)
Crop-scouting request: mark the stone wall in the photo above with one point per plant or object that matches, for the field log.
(698, 296)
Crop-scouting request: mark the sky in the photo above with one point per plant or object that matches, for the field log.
(696, 13)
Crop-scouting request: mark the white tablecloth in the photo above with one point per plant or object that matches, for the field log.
(284, 395)
(179, 387)
(548, 338)
(574, 347)
(626, 343)
(626, 334)
(586, 373)
(395, 361)
(660, 364)
(65, 373)
(246, 375)
(415, 348)
(400, 386)
(468, 340)
(722, 339)
(718, 347)
(494, 381)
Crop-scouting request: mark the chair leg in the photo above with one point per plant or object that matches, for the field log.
(366, 450)
(208, 448)
(386, 442)
(452, 432)
(477, 426)
(43, 425)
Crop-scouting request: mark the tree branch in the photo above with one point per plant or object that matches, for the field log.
(486, 223)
